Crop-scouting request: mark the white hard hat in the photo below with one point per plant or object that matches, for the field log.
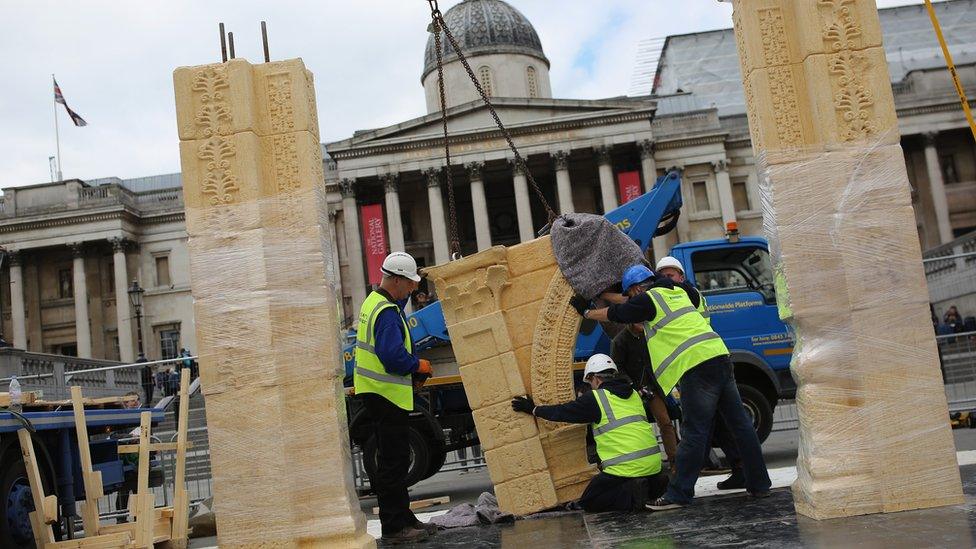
(598, 363)
(668, 261)
(400, 264)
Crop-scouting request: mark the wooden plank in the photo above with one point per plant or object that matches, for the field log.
(181, 501)
(145, 517)
(43, 533)
(422, 503)
(93, 484)
(121, 540)
(154, 447)
(26, 398)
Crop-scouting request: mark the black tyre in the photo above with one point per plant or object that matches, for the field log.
(16, 503)
(759, 410)
(438, 455)
(420, 456)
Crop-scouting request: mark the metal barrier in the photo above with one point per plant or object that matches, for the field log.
(957, 354)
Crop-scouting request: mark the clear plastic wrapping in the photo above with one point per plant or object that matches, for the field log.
(873, 418)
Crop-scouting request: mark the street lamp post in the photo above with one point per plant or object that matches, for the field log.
(135, 298)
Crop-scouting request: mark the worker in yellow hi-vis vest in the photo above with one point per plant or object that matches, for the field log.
(383, 380)
(684, 349)
(630, 458)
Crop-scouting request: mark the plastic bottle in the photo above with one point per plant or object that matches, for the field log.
(16, 395)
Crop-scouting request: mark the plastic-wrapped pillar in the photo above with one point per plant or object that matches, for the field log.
(262, 272)
(874, 435)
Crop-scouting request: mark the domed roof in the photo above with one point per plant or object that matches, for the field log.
(485, 26)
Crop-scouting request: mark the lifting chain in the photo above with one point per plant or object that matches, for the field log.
(437, 25)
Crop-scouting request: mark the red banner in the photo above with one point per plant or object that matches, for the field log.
(374, 239)
(629, 184)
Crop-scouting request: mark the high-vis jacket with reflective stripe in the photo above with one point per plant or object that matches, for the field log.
(370, 376)
(625, 441)
(678, 337)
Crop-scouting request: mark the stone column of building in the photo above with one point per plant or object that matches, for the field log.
(354, 244)
(724, 185)
(17, 312)
(648, 164)
(479, 204)
(438, 227)
(684, 224)
(846, 259)
(564, 188)
(937, 188)
(394, 223)
(523, 207)
(607, 188)
(82, 324)
(122, 307)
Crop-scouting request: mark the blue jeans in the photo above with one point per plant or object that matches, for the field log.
(706, 390)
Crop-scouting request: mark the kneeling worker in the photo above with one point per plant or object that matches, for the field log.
(630, 459)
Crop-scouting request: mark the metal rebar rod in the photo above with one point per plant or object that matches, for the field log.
(223, 44)
(230, 41)
(264, 40)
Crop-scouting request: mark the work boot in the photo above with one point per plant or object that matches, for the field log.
(431, 529)
(664, 504)
(409, 534)
(736, 481)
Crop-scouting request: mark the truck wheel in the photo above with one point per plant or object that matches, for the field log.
(758, 409)
(438, 455)
(16, 503)
(420, 452)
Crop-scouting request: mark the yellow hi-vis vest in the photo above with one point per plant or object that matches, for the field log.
(370, 376)
(625, 441)
(703, 309)
(678, 337)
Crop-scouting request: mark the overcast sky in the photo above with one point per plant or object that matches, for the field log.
(114, 63)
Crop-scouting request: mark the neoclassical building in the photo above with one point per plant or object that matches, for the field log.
(73, 247)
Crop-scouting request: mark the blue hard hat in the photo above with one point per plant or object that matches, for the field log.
(635, 274)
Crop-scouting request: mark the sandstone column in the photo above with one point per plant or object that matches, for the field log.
(438, 227)
(123, 308)
(724, 185)
(82, 325)
(479, 204)
(394, 222)
(354, 243)
(937, 187)
(564, 189)
(605, 168)
(838, 214)
(265, 307)
(523, 207)
(17, 312)
(648, 165)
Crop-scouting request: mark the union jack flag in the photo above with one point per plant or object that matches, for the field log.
(58, 98)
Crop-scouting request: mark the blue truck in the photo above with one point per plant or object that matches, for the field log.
(56, 446)
(735, 276)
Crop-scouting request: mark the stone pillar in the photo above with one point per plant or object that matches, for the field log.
(82, 324)
(684, 225)
(848, 267)
(523, 206)
(724, 185)
(648, 165)
(17, 312)
(394, 222)
(438, 227)
(605, 168)
(354, 243)
(479, 204)
(564, 188)
(937, 187)
(123, 308)
(265, 307)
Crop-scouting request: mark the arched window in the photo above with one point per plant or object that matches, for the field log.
(533, 83)
(484, 74)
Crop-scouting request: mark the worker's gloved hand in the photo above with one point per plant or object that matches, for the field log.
(523, 404)
(424, 367)
(580, 303)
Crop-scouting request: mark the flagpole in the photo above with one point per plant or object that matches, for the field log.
(57, 134)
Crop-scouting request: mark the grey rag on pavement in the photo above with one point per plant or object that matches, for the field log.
(485, 511)
(591, 252)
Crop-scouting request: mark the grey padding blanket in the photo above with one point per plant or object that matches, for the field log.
(486, 511)
(591, 252)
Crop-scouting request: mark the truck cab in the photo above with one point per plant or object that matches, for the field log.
(736, 278)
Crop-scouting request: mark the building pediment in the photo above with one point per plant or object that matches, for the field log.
(473, 121)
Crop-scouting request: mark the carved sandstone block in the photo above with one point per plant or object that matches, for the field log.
(499, 425)
(527, 494)
(515, 460)
(493, 380)
(480, 338)
(531, 256)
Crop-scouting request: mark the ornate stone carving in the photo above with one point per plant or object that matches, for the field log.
(929, 138)
(14, 257)
(720, 165)
(347, 188)
(474, 170)
(214, 117)
(773, 32)
(852, 98)
(553, 344)
(515, 167)
(280, 110)
(603, 155)
(433, 176)
(120, 244)
(391, 182)
(647, 148)
(561, 160)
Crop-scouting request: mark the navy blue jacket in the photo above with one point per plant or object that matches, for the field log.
(389, 333)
